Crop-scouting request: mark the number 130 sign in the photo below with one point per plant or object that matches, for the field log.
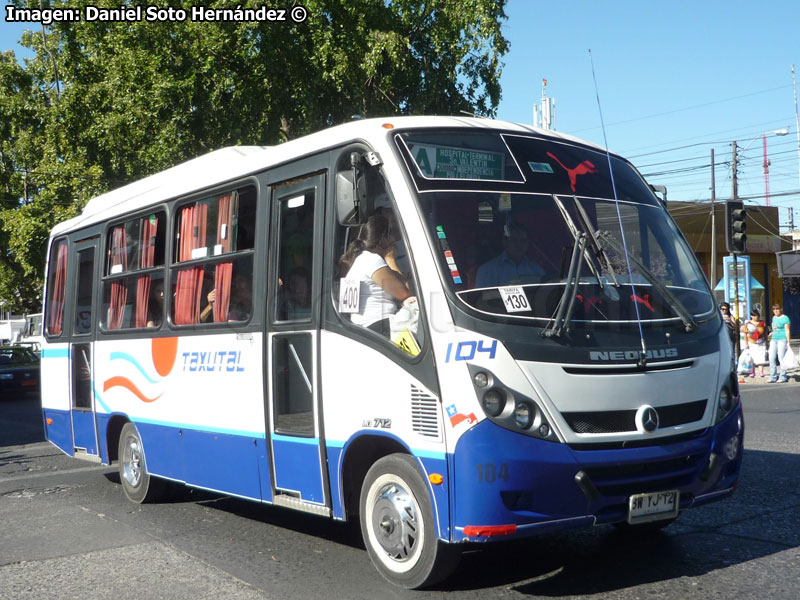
(514, 299)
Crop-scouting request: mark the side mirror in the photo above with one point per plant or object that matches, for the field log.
(346, 206)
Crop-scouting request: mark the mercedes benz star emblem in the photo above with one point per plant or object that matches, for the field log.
(647, 419)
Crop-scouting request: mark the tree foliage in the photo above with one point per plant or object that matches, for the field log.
(102, 104)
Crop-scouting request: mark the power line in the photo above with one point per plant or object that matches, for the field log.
(677, 110)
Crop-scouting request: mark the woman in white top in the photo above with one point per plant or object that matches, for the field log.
(371, 261)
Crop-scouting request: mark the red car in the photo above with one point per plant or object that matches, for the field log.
(19, 371)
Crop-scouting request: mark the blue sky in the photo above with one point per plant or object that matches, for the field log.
(675, 80)
(669, 74)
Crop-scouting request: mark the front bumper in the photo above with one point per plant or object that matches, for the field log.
(503, 478)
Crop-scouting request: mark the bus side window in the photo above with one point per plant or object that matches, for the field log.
(212, 270)
(295, 255)
(374, 288)
(133, 286)
(56, 288)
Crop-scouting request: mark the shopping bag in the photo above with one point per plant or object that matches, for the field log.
(403, 326)
(788, 360)
(745, 362)
(405, 318)
(758, 354)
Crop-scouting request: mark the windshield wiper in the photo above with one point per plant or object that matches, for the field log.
(688, 320)
(566, 305)
(575, 233)
(599, 250)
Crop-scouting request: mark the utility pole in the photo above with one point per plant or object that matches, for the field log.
(796, 121)
(735, 197)
(713, 225)
(766, 169)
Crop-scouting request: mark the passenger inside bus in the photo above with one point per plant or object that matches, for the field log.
(239, 303)
(512, 266)
(155, 307)
(383, 207)
(370, 259)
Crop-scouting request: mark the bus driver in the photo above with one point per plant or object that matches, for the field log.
(512, 266)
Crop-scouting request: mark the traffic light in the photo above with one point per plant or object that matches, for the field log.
(735, 227)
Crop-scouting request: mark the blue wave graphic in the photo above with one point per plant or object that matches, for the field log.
(130, 359)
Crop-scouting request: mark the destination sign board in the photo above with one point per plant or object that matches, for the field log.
(446, 162)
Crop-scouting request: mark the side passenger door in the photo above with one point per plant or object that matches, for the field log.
(293, 400)
(81, 351)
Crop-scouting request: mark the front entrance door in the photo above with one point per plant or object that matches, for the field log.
(293, 403)
(82, 409)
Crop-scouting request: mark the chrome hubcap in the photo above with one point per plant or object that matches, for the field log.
(132, 462)
(395, 522)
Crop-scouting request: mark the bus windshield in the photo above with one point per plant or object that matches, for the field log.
(509, 253)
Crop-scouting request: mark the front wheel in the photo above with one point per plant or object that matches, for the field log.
(136, 481)
(398, 526)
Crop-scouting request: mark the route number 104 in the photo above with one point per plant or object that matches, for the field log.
(468, 350)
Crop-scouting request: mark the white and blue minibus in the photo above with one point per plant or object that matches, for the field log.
(554, 357)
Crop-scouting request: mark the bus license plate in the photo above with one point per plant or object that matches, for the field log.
(653, 507)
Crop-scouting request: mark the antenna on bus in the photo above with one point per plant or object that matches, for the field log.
(634, 296)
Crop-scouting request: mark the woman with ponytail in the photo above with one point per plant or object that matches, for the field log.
(371, 261)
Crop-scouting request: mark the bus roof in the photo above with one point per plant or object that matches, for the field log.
(235, 162)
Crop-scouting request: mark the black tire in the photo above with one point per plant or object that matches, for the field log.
(398, 527)
(136, 481)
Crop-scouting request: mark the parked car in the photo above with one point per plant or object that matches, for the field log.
(19, 371)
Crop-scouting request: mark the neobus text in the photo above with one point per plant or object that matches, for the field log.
(634, 354)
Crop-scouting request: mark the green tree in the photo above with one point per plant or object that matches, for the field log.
(102, 104)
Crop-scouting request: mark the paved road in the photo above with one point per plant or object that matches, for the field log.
(67, 532)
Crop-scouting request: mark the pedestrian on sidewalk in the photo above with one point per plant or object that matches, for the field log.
(731, 323)
(780, 336)
(754, 343)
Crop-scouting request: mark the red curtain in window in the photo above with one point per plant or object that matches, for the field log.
(147, 253)
(223, 271)
(119, 289)
(55, 317)
(189, 285)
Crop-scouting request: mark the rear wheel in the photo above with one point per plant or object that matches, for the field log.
(398, 527)
(137, 483)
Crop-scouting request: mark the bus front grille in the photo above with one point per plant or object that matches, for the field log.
(622, 421)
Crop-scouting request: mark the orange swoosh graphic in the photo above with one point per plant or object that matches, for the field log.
(128, 385)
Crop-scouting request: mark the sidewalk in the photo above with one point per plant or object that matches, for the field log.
(792, 374)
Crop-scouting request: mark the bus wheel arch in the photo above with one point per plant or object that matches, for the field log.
(361, 454)
(113, 433)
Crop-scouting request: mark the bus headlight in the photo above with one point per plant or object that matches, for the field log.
(523, 415)
(493, 402)
(480, 379)
(726, 402)
(510, 408)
